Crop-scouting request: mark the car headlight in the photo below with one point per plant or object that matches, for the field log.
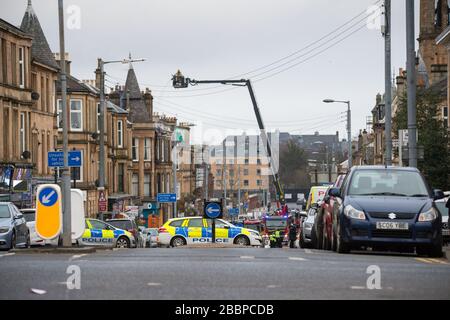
(4, 229)
(351, 212)
(428, 215)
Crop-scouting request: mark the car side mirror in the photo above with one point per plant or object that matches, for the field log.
(18, 217)
(335, 192)
(438, 194)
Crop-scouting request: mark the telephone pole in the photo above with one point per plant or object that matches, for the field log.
(387, 82)
(65, 177)
(101, 125)
(411, 83)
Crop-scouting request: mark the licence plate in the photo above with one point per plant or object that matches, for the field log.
(392, 225)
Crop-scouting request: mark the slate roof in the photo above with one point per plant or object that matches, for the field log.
(75, 85)
(5, 25)
(40, 50)
(137, 109)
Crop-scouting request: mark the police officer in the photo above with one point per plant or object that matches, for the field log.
(292, 235)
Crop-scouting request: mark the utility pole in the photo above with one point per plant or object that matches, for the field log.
(65, 178)
(387, 83)
(101, 129)
(239, 189)
(101, 125)
(224, 175)
(175, 182)
(349, 135)
(411, 83)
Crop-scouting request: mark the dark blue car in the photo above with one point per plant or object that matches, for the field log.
(386, 207)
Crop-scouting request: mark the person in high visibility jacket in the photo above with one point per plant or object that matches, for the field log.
(275, 239)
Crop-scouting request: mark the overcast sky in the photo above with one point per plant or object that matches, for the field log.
(217, 39)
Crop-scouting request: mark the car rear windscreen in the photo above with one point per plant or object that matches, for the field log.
(121, 224)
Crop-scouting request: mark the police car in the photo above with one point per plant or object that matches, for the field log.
(99, 233)
(196, 230)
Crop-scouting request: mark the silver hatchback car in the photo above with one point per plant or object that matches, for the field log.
(13, 227)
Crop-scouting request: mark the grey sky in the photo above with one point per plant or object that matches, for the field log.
(217, 39)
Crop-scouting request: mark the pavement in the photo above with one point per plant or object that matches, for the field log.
(218, 273)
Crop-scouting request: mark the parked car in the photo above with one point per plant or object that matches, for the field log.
(307, 236)
(151, 237)
(130, 226)
(13, 227)
(388, 207)
(100, 233)
(440, 205)
(196, 230)
(324, 218)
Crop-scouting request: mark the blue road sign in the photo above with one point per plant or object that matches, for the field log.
(212, 210)
(56, 158)
(166, 197)
(48, 196)
(75, 158)
(233, 211)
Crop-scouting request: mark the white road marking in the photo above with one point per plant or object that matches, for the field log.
(308, 251)
(297, 258)
(247, 257)
(271, 286)
(7, 254)
(76, 256)
(357, 288)
(153, 284)
(38, 291)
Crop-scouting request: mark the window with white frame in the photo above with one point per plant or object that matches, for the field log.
(120, 133)
(21, 67)
(135, 149)
(76, 115)
(147, 150)
(22, 133)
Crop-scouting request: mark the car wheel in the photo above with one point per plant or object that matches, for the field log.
(341, 247)
(301, 241)
(435, 251)
(122, 242)
(242, 241)
(13, 241)
(178, 242)
(28, 243)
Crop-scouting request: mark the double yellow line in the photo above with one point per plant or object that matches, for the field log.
(432, 261)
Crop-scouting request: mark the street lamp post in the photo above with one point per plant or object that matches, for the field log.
(349, 128)
(101, 125)
(65, 177)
